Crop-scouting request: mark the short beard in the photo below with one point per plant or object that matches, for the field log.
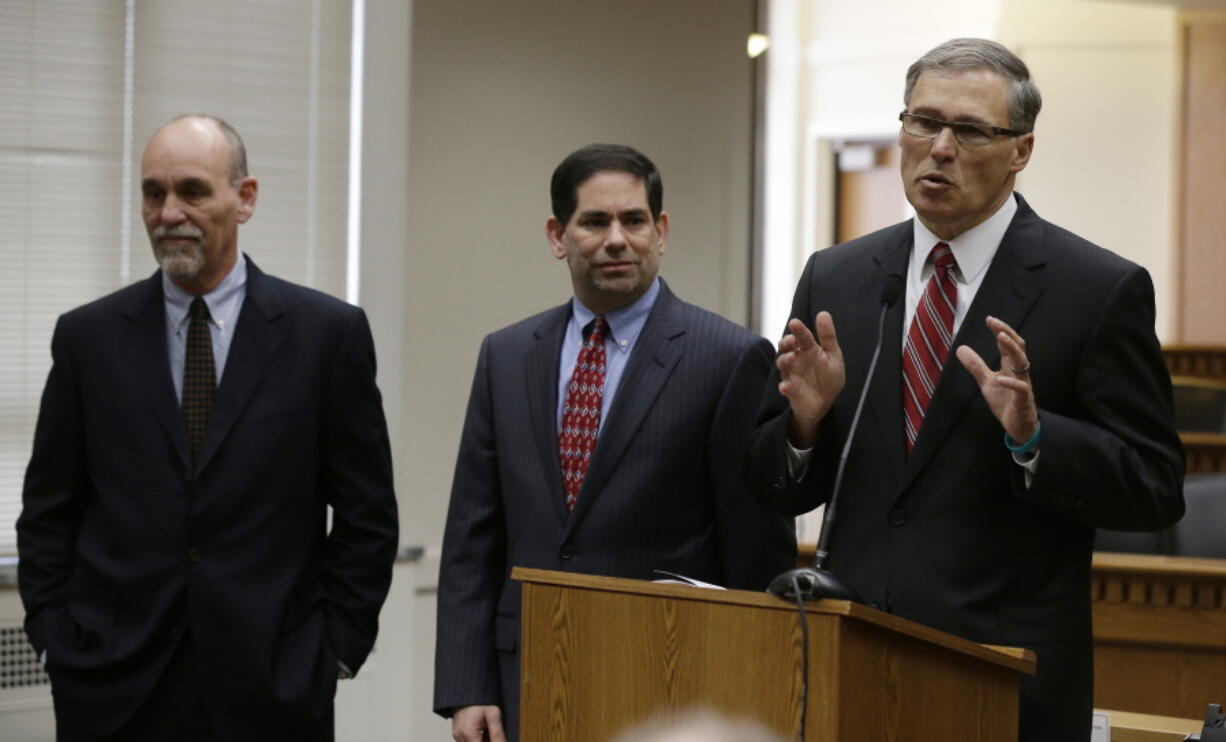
(180, 262)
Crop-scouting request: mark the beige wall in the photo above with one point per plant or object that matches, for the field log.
(500, 93)
(1105, 144)
(1203, 189)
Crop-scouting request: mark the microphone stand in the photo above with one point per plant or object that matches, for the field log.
(816, 582)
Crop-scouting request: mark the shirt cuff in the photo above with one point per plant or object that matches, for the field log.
(1029, 462)
(798, 461)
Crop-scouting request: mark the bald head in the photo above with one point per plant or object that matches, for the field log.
(698, 725)
(238, 150)
(195, 193)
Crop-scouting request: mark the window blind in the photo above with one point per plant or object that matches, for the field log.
(278, 70)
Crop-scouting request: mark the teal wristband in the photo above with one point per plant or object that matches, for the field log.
(1029, 445)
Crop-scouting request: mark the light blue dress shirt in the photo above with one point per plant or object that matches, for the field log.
(625, 325)
(224, 304)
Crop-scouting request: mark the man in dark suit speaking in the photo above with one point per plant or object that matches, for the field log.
(603, 436)
(974, 486)
(179, 573)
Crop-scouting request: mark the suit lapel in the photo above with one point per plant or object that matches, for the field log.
(884, 403)
(257, 338)
(542, 381)
(1013, 283)
(143, 339)
(654, 357)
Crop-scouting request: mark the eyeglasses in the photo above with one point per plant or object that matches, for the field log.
(968, 134)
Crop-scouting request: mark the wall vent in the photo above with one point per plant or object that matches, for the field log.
(19, 666)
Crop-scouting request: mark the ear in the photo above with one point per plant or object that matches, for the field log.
(554, 232)
(1022, 151)
(662, 229)
(248, 191)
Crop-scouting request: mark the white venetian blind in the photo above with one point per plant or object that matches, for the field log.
(278, 70)
(61, 140)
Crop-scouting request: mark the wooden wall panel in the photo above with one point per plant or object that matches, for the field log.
(1159, 633)
(1202, 297)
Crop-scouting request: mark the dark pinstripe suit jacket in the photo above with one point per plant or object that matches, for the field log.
(665, 489)
(950, 536)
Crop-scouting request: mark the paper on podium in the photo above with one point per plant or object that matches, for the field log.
(676, 579)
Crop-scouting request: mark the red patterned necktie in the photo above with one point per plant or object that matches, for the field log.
(928, 341)
(199, 377)
(581, 414)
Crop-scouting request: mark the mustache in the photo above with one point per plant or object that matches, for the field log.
(181, 230)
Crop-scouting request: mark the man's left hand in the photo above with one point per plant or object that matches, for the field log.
(1007, 391)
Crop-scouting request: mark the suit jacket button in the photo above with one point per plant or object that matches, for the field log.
(193, 554)
(780, 483)
(897, 517)
(565, 554)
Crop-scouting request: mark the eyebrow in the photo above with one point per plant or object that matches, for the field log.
(935, 114)
(190, 182)
(632, 211)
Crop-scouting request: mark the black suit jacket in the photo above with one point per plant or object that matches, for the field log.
(124, 547)
(665, 489)
(950, 536)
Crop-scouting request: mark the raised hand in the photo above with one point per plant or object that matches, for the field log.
(1008, 391)
(812, 375)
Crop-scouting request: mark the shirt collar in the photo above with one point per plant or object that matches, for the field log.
(626, 323)
(178, 301)
(973, 249)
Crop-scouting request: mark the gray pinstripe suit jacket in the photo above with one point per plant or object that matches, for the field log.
(665, 489)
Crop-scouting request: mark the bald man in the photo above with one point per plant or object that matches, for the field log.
(180, 577)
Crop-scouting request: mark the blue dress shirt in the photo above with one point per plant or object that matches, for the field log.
(224, 304)
(625, 324)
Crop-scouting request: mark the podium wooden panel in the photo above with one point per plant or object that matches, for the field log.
(1159, 633)
(600, 653)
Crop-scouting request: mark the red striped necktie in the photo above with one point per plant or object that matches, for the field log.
(928, 341)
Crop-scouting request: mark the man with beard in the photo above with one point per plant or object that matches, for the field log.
(603, 436)
(974, 486)
(180, 577)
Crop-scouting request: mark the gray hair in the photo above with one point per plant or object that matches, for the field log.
(238, 150)
(697, 725)
(973, 54)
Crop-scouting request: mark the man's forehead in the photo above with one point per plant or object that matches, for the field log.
(608, 189)
(978, 91)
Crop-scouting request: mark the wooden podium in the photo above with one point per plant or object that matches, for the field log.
(600, 653)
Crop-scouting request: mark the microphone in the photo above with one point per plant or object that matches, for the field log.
(816, 583)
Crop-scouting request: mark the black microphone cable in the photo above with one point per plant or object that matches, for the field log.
(818, 580)
(804, 678)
